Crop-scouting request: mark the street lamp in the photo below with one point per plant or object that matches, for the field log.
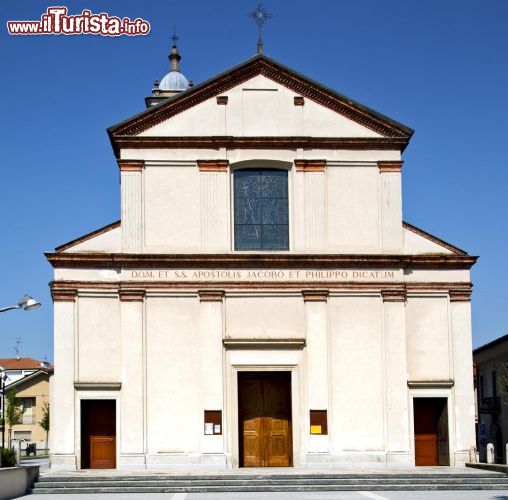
(3, 378)
(27, 303)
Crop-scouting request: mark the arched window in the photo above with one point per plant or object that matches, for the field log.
(261, 209)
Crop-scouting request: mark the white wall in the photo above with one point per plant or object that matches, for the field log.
(98, 339)
(174, 419)
(428, 350)
(356, 373)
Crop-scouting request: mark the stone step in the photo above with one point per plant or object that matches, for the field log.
(254, 477)
(274, 488)
(268, 482)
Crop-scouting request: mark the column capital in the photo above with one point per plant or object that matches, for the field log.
(213, 165)
(211, 295)
(394, 295)
(315, 295)
(460, 295)
(64, 295)
(310, 165)
(131, 295)
(389, 166)
(131, 165)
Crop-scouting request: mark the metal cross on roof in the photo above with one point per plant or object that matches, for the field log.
(174, 37)
(260, 15)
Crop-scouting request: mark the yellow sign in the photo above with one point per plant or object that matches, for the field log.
(315, 429)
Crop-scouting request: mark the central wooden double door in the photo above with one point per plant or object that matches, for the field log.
(264, 404)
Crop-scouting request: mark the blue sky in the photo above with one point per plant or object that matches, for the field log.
(438, 66)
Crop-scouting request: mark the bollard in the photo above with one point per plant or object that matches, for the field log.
(490, 454)
(473, 455)
(506, 454)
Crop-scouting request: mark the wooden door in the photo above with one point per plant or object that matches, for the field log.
(265, 419)
(98, 434)
(102, 452)
(431, 431)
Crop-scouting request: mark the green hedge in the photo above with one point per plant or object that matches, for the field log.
(7, 458)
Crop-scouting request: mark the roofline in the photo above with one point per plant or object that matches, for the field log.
(261, 64)
(88, 236)
(29, 377)
(102, 260)
(433, 238)
(493, 343)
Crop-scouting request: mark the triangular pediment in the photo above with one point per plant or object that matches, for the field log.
(332, 112)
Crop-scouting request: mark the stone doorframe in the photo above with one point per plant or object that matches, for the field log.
(252, 361)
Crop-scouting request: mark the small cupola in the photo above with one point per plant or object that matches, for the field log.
(173, 82)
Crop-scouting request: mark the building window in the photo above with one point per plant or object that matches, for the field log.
(26, 435)
(261, 216)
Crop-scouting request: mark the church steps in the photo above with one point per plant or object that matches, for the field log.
(270, 483)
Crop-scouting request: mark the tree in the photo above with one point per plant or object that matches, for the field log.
(13, 413)
(44, 422)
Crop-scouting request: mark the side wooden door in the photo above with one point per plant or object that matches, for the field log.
(98, 434)
(431, 431)
(102, 452)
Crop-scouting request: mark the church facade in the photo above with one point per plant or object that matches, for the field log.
(261, 302)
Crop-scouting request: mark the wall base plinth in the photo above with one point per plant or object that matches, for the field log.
(131, 461)
(461, 458)
(60, 461)
(216, 461)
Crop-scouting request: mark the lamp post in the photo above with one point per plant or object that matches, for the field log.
(3, 377)
(27, 303)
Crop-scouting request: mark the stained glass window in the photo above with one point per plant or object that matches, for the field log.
(261, 209)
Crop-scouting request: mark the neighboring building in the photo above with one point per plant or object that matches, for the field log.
(16, 368)
(32, 393)
(261, 302)
(492, 384)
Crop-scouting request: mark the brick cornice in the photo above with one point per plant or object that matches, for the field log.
(460, 295)
(216, 289)
(390, 166)
(310, 165)
(131, 294)
(230, 143)
(64, 294)
(96, 260)
(213, 165)
(394, 295)
(315, 295)
(211, 295)
(131, 165)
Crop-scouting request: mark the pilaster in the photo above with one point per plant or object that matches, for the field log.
(132, 393)
(396, 393)
(210, 345)
(214, 204)
(62, 407)
(131, 200)
(464, 408)
(391, 206)
(311, 193)
(316, 333)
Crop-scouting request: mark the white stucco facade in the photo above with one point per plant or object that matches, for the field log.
(159, 313)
